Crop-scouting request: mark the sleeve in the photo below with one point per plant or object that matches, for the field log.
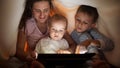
(84, 36)
(106, 43)
(44, 46)
(29, 28)
(66, 45)
(74, 36)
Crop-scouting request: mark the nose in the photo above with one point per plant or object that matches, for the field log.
(80, 24)
(56, 32)
(42, 15)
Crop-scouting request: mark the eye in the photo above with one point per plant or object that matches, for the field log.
(78, 20)
(37, 10)
(61, 30)
(52, 29)
(85, 22)
(46, 10)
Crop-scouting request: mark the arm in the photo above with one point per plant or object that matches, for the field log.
(20, 53)
(85, 42)
(20, 45)
(106, 44)
(88, 42)
(72, 44)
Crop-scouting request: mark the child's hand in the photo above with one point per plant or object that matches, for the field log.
(95, 42)
(80, 49)
(63, 52)
(90, 42)
(86, 43)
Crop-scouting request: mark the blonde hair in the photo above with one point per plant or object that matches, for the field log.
(58, 17)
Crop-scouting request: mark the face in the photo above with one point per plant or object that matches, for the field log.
(41, 11)
(83, 22)
(57, 30)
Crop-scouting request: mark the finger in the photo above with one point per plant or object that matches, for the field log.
(77, 50)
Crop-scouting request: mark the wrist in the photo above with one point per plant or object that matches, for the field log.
(96, 43)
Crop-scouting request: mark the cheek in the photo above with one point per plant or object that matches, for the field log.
(61, 35)
(76, 25)
(47, 14)
(35, 15)
(86, 27)
(51, 33)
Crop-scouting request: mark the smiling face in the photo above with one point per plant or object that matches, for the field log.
(83, 22)
(41, 11)
(57, 30)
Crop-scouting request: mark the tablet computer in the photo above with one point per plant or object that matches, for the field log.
(58, 59)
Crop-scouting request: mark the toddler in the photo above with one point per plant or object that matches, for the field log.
(54, 42)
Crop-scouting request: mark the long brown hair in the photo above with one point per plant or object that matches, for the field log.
(27, 14)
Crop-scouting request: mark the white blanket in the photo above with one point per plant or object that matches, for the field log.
(109, 23)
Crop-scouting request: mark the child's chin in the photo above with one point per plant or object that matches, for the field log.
(79, 31)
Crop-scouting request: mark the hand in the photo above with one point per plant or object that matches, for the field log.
(86, 43)
(33, 54)
(95, 42)
(29, 58)
(90, 42)
(63, 52)
(80, 49)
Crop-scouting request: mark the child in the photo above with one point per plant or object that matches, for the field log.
(85, 20)
(85, 33)
(55, 41)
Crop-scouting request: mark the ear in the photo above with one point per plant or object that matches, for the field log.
(93, 25)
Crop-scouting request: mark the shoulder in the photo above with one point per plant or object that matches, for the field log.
(43, 41)
(64, 41)
(30, 22)
(94, 30)
(96, 34)
(30, 26)
(85, 35)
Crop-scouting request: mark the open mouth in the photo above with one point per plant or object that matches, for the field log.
(55, 36)
(79, 28)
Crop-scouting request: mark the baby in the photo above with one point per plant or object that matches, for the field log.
(54, 42)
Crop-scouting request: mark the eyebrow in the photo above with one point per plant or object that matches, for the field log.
(40, 9)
